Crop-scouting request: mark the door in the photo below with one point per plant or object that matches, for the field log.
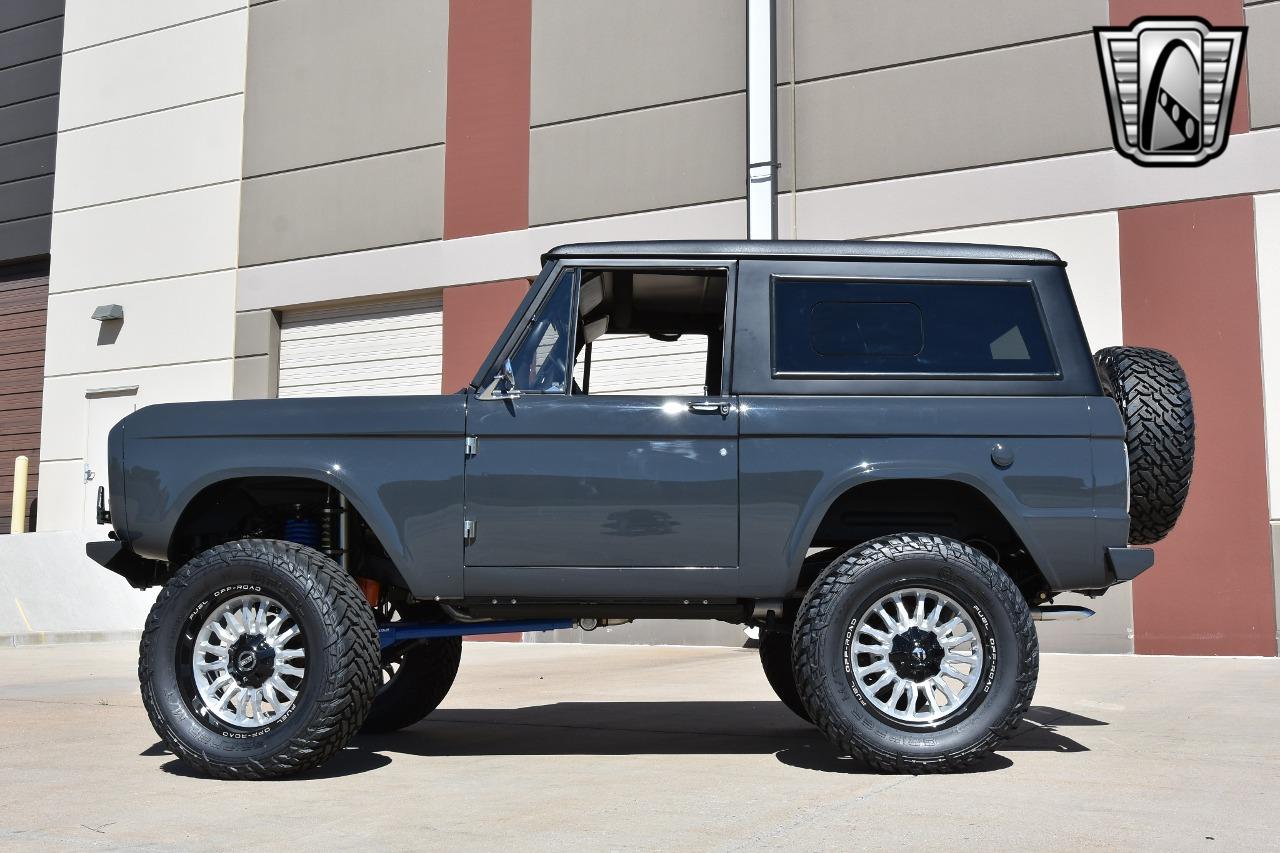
(106, 408)
(575, 494)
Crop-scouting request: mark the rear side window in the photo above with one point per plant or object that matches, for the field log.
(832, 326)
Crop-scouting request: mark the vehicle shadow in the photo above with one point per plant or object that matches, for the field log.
(649, 728)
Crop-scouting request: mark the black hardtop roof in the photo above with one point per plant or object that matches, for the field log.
(808, 249)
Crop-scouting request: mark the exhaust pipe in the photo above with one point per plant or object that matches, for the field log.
(1060, 613)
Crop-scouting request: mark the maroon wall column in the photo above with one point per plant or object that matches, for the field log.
(1220, 13)
(1189, 286)
(486, 151)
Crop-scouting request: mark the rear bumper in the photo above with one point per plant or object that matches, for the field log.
(138, 571)
(1127, 563)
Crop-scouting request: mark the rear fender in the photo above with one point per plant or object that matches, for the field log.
(842, 482)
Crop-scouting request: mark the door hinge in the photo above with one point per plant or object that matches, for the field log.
(468, 531)
(472, 446)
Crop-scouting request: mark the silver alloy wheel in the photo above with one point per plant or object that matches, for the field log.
(916, 655)
(249, 661)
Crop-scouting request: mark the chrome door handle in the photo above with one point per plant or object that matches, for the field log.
(710, 408)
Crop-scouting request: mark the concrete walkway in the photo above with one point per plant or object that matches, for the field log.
(563, 747)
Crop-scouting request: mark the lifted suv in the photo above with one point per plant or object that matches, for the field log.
(888, 457)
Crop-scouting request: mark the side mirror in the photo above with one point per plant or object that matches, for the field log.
(502, 386)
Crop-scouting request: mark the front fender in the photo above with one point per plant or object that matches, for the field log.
(398, 461)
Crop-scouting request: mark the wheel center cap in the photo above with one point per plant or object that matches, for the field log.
(251, 660)
(916, 654)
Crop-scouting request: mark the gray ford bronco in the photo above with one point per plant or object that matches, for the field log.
(887, 457)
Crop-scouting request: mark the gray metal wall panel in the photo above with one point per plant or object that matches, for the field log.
(839, 36)
(18, 13)
(25, 238)
(27, 159)
(33, 80)
(1264, 64)
(29, 120)
(591, 58)
(379, 201)
(644, 160)
(28, 44)
(329, 80)
(26, 198)
(30, 72)
(1005, 105)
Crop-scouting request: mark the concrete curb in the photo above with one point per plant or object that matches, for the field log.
(50, 588)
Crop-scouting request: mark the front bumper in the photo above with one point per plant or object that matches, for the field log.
(1127, 563)
(138, 571)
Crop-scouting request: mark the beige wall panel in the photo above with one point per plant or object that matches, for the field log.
(181, 65)
(651, 632)
(1013, 104)
(63, 432)
(329, 80)
(175, 234)
(839, 36)
(591, 58)
(257, 333)
(488, 257)
(1109, 631)
(1091, 247)
(379, 201)
(175, 149)
(1275, 567)
(663, 157)
(1264, 64)
(183, 319)
(1266, 211)
(1033, 189)
(90, 22)
(256, 378)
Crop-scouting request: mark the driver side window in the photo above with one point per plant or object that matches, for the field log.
(540, 362)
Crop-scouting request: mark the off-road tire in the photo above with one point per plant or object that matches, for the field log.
(427, 670)
(341, 641)
(836, 600)
(1151, 389)
(775, 658)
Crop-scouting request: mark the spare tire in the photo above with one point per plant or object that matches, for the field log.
(1154, 397)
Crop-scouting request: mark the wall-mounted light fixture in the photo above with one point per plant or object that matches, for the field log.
(108, 312)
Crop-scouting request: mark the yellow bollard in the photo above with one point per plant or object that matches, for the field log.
(18, 518)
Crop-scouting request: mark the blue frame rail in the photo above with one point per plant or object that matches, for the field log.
(399, 632)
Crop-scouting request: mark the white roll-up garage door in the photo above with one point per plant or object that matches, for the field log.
(637, 364)
(392, 346)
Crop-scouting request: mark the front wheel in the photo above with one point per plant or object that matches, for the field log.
(259, 660)
(915, 653)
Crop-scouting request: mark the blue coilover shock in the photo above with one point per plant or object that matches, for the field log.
(303, 531)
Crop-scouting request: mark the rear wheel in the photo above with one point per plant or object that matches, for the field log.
(775, 658)
(259, 660)
(915, 653)
(416, 676)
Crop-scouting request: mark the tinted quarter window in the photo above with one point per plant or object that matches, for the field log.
(832, 326)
